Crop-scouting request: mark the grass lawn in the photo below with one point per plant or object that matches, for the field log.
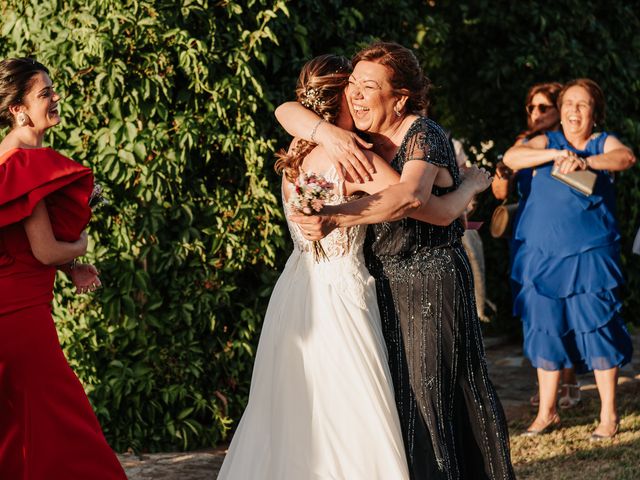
(567, 453)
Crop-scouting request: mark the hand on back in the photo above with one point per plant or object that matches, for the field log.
(344, 151)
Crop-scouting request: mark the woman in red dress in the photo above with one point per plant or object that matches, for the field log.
(47, 427)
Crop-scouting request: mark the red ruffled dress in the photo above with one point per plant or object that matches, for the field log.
(48, 430)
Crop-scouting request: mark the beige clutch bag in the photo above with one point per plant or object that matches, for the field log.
(581, 180)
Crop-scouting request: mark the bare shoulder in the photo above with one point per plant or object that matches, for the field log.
(317, 161)
(384, 175)
(8, 144)
(612, 143)
(379, 163)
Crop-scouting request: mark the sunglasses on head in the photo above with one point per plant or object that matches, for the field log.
(542, 107)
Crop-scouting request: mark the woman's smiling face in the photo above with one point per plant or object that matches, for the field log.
(41, 102)
(371, 97)
(576, 111)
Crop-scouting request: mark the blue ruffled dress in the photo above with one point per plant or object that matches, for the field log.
(567, 269)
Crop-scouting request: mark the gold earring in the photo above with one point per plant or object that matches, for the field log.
(22, 119)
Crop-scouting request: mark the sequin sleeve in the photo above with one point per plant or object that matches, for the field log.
(427, 141)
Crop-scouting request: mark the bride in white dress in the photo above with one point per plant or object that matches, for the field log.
(321, 404)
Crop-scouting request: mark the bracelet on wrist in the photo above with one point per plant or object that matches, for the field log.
(315, 130)
(583, 162)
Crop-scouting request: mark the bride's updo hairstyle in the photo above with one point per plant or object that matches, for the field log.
(321, 84)
(407, 77)
(16, 78)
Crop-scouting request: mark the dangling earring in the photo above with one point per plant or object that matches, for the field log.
(22, 119)
(397, 112)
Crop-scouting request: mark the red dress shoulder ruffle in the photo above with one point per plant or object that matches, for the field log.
(30, 175)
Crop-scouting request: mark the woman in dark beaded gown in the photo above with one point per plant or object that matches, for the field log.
(452, 421)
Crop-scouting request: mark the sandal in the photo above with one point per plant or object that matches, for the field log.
(596, 437)
(551, 425)
(569, 395)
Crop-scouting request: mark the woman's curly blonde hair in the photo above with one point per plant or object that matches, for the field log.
(321, 84)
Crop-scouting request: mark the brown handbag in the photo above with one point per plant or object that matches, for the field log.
(502, 220)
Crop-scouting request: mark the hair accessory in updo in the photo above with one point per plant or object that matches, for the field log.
(320, 88)
(311, 98)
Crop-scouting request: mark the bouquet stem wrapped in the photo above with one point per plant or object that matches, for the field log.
(311, 193)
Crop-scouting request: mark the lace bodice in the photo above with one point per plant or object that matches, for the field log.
(341, 242)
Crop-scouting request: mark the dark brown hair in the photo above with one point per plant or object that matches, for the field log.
(594, 91)
(407, 77)
(16, 78)
(550, 90)
(321, 84)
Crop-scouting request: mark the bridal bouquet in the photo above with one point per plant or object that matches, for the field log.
(311, 193)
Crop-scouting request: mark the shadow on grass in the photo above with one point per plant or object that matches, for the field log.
(567, 453)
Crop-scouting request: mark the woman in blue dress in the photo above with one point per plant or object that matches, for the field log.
(567, 265)
(542, 115)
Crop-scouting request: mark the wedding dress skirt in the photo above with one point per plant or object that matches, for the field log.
(321, 405)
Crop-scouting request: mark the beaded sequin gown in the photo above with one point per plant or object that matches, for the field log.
(452, 421)
(321, 403)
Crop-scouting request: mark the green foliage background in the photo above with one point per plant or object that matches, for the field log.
(171, 103)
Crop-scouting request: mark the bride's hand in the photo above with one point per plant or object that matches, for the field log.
(85, 278)
(314, 227)
(344, 149)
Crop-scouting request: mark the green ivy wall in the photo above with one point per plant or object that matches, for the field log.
(171, 103)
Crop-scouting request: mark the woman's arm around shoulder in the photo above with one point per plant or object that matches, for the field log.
(444, 209)
(410, 197)
(392, 203)
(344, 148)
(435, 210)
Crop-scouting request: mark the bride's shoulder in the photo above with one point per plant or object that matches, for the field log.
(317, 161)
